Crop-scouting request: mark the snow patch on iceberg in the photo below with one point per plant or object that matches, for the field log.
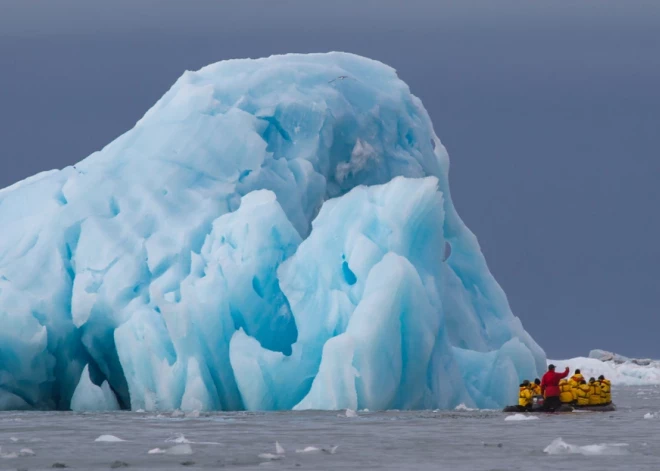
(265, 237)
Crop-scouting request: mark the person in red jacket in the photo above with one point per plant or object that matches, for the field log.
(550, 388)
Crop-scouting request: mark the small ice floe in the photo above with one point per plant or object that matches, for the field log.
(651, 415)
(349, 413)
(463, 407)
(364, 410)
(279, 449)
(520, 418)
(192, 414)
(331, 450)
(26, 452)
(109, 439)
(280, 452)
(308, 449)
(140, 411)
(178, 438)
(181, 449)
(560, 447)
(177, 414)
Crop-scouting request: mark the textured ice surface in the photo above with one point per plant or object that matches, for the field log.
(273, 233)
(621, 374)
(90, 397)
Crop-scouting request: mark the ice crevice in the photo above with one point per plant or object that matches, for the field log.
(264, 238)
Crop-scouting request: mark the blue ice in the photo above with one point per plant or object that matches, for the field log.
(273, 234)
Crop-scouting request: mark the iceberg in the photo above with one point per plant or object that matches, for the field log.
(620, 370)
(273, 234)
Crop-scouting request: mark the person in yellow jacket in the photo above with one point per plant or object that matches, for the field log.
(582, 395)
(525, 396)
(594, 393)
(605, 389)
(576, 378)
(565, 393)
(536, 387)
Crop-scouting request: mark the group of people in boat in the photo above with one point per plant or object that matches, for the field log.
(554, 390)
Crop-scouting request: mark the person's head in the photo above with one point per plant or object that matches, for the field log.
(537, 382)
(526, 382)
(577, 372)
(592, 380)
(601, 377)
(551, 367)
(582, 381)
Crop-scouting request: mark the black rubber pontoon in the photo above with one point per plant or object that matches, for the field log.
(563, 408)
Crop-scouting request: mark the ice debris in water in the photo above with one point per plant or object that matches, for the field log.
(279, 449)
(109, 439)
(350, 413)
(308, 449)
(463, 407)
(560, 447)
(265, 237)
(652, 415)
(180, 449)
(520, 418)
(179, 438)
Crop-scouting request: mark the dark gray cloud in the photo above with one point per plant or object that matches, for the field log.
(550, 112)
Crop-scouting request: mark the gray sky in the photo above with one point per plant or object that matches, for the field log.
(550, 112)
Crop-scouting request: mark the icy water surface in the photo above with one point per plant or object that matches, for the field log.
(457, 440)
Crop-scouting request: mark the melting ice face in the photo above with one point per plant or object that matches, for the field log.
(272, 234)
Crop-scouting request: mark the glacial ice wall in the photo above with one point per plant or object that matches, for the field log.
(272, 234)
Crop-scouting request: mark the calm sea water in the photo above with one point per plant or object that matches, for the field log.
(456, 440)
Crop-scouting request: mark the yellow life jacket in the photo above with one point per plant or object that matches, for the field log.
(525, 396)
(576, 378)
(583, 395)
(594, 394)
(536, 389)
(605, 391)
(565, 393)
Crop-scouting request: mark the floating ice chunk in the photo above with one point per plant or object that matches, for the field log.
(279, 449)
(463, 407)
(308, 449)
(195, 414)
(26, 452)
(520, 418)
(90, 397)
(652, 415)
(560, 447)
(179, 438)
(180, 449)
(109, 439)
(270, 456)
(177, 413)
(350, 413)
(330, 450)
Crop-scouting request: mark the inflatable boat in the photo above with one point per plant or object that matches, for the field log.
(538, 408)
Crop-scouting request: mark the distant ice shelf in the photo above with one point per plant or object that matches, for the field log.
(273, 234)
